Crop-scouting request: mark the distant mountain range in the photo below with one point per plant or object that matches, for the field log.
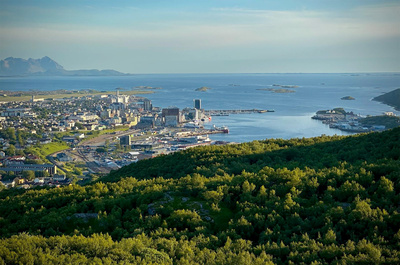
(46, 67)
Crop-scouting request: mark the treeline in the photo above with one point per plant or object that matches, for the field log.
(324, 200)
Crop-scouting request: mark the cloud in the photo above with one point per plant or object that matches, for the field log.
(220, 34)
(363, 22)
(238, 28)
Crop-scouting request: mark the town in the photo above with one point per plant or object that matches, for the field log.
(58, 141)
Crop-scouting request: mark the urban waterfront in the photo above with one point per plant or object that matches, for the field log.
(293, 111)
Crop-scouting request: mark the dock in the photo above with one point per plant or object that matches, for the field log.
(236, 111)
(200, 132)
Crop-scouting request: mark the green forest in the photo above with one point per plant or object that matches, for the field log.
(322, 200)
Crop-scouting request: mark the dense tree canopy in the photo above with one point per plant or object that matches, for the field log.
(324, 200)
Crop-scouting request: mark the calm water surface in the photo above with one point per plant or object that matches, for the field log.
(293, 111)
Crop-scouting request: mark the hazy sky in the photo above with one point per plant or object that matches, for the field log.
(219, 36)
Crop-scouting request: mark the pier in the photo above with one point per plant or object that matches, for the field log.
(198, 132)
(236, 111)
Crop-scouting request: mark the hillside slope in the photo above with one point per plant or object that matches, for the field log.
(327, 200)
(391, 98)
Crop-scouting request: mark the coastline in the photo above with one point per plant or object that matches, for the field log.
(291, 119)
(27, 96)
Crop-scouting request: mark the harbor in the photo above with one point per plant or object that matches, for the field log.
(338, 118)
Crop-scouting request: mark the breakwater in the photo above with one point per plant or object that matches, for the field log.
(235, 111)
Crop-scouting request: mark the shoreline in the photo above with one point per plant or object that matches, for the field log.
(27, 95)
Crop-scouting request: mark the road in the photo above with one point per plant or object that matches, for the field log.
(79, 156)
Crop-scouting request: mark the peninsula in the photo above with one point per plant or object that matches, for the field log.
(391, 98)
(338, 118)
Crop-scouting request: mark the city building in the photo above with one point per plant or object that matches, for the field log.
(19, 112)
(17, 169)
(125, 140)
(197, 103)
(194, 114)
(171, 116)
(147, 106)
(146, 122)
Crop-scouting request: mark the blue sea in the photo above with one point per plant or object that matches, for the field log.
(293, 111)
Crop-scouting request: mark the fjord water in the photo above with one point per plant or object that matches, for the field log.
(293, 111)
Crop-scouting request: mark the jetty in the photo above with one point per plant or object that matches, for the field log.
(235, 111)
(198, 132)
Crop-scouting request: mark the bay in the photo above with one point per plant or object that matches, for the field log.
(293, 111)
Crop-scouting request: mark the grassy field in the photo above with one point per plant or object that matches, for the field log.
(92, 134)
(28, 97)
(51, 148)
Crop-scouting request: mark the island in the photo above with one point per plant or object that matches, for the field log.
(279, 90)
(286, 86)
(146, 87)
(203, 89)
(46, 66)
(391, 98)
(348, 98)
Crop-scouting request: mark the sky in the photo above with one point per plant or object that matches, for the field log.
(219, 36)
